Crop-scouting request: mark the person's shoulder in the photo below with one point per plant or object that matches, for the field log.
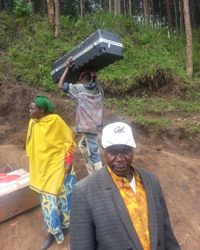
(146, 173)
(76, 88)
(54, 118)
(99, 86)
(100, 89)
(91, 180)
(76, 85)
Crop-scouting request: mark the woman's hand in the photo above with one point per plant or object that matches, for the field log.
(68, 167)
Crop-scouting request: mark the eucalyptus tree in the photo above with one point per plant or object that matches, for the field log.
(189, 61)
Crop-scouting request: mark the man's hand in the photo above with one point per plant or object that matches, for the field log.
(68, 167)
(69, 65)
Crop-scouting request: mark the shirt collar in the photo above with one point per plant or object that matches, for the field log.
(123, 179)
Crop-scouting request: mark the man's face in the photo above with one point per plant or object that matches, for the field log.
(34, 111)
(119, 159)
(82, 79)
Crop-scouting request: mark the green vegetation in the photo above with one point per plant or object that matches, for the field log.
(22, 8)
(141, 109)
(158, 106)
(153, 62)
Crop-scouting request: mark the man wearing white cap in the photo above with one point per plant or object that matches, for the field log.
(120, 207)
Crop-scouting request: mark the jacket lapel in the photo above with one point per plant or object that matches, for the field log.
(153, 226)
(122, 210)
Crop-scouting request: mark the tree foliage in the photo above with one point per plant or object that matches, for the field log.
(22, 8)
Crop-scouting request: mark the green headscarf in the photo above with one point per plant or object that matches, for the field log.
(42, 102)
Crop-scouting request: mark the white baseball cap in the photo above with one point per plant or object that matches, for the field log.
(117, 133)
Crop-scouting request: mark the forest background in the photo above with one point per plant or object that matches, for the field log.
(157, 82)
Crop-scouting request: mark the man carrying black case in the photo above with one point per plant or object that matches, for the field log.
(88, 96)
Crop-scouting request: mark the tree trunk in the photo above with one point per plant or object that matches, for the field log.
(9, 6)
(134, 7)
(100, 2)
(160, 12)
(110, 6)
(181, 18)
(153, 13)
(130, 10)
(50, 13)
(119, 7)
(44, 8)
(125, 8)
(169, 17)
(115, 7)
(81, 6)
(146, 11)
(192, 11)
(175, 10)
(57, 16)
(189, 62)
(199, 4)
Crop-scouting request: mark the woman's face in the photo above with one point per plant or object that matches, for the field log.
(35, 111)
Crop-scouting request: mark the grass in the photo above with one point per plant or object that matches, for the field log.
(162, 122)
(143, 109)
(159, 106)
(151, 61)
(31, 50)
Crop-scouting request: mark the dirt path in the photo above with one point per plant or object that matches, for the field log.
(170, 158)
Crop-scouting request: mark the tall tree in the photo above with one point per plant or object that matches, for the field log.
(44, 8)
(110, 6)
(189, 61)
(192, 11)
(169, 17)
(119, 7)
(50, 13)
(134, 7)
(175, 11)
(146, 11)
(125, 8)
(57, 16)
(81, 6)
(160, 12)
(199, 4)
(130, 9)
(153, 12)
(181, 17)
(116, 7)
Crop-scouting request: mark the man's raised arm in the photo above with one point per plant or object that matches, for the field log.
(68, 67)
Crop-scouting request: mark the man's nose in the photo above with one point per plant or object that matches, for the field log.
(120, 157)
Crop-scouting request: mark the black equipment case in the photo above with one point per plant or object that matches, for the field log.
(98, 51)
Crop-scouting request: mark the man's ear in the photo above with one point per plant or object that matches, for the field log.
(103, 150)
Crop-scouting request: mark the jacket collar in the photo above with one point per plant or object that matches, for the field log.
(90, 85)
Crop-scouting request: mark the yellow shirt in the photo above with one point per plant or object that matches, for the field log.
(136, 205)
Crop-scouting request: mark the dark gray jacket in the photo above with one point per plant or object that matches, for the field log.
(99, 218)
